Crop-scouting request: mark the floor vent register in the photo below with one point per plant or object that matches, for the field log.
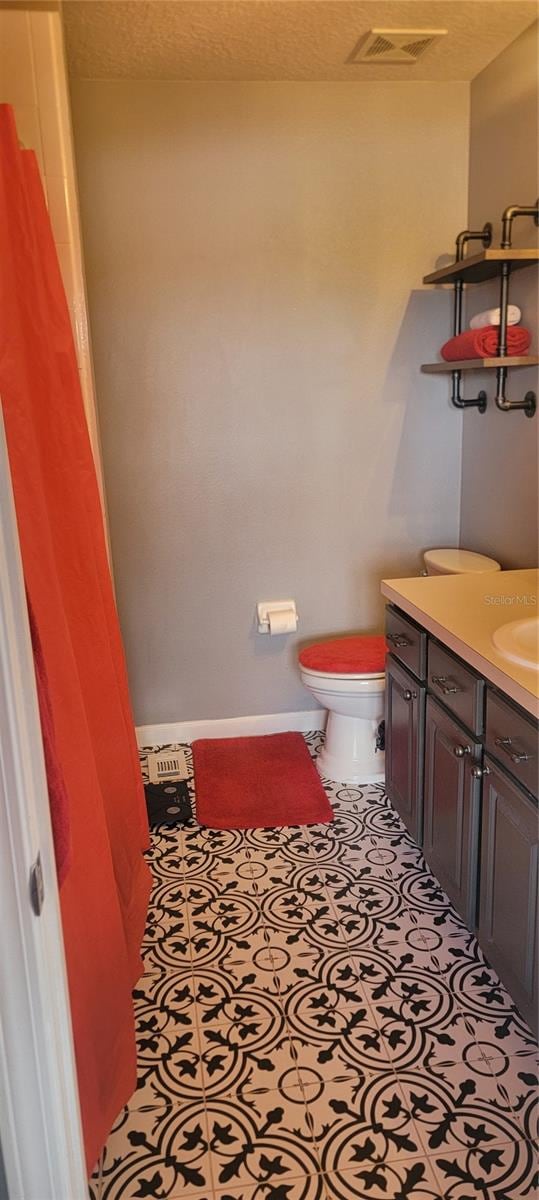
(167, 794)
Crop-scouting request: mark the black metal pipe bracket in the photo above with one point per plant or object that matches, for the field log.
(509, 215)
(480, 401)
(483, 235)
(528, 405)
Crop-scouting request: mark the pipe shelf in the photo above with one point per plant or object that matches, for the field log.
(488, 264)
(479, 364)
(485, 265)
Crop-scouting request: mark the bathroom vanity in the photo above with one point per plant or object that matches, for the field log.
(461, 754)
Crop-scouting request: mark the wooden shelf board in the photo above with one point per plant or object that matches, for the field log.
(485, 265)
(478, 364)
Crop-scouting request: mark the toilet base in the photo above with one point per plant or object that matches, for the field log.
(349, 753)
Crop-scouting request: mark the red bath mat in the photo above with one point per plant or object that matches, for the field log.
(257, 783)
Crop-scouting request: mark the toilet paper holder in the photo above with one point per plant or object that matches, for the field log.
(264, 607)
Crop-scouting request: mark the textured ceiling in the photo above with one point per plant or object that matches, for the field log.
(281, 39)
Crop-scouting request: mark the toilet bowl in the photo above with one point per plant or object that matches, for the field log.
(346, 676)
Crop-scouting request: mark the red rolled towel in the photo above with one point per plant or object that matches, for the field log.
(483, 343)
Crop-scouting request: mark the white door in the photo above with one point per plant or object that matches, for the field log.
(40, 1131)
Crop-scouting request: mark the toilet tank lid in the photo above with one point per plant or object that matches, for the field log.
(460, 562)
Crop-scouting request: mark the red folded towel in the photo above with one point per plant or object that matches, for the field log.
(483, 343)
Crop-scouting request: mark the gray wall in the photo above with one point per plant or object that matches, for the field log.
(254, 255)
(499, 459)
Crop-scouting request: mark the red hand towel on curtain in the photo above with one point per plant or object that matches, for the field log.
(104, 895)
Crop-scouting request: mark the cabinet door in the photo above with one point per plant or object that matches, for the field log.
(405, 717)
(452, 809)
(508, 905)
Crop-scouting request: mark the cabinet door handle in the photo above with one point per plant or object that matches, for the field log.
(408, 695)
(516, 756)
(446, 683)
(398, 639)
(478, 772)
(460, 751)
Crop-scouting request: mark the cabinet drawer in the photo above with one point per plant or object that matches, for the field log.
(407, 641)
(512, 737)
(456, 686)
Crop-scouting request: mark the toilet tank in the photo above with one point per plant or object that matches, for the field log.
(458, 562)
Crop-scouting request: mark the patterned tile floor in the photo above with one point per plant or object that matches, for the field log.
(316, 1023)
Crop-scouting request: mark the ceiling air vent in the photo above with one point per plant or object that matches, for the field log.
(395, 45)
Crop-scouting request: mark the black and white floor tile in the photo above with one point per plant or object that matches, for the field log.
(316, 1023)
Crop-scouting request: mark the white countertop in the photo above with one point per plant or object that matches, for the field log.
(464, 610)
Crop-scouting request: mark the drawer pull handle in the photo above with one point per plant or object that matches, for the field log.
(516, 756)
(398, 639)
(408, 695)
(478, 772)
(460, 751)
(446, 684)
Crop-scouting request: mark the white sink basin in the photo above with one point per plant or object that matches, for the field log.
(519, 642)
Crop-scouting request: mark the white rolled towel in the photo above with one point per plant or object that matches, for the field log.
(491, 316)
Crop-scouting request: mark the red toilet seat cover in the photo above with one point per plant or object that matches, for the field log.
(346, 656)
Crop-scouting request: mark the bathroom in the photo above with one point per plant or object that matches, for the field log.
(244, 210)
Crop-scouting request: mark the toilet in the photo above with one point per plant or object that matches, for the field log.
(347, 677)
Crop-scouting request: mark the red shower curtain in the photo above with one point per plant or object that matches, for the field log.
(105, 891)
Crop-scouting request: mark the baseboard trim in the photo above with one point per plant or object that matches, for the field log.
(187, 731)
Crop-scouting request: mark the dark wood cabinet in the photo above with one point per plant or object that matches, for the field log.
(508, 920)
(461, 770)
(405, 709)
(451, 808)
